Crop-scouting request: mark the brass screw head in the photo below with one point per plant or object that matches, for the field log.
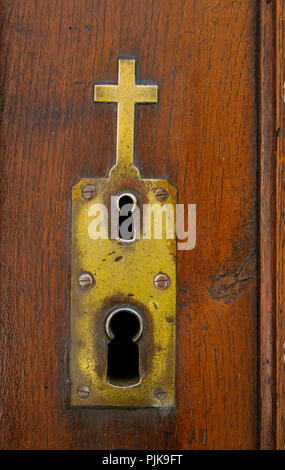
(161, 281)
(86, 280)
(88, 192)
(83, 391)
(161, 194)
(160, 393)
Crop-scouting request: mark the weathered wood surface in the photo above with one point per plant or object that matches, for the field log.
(267, 223)
(280, 224)
(202, 136)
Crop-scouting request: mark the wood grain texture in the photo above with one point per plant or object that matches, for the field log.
(202, 136)
(280, 224)
(267, 226)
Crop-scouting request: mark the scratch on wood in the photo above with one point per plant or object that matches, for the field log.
(227, 286)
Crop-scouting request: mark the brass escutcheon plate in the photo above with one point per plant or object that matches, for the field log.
(122, 275)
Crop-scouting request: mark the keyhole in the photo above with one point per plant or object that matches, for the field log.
(124, 327)
(126, 204)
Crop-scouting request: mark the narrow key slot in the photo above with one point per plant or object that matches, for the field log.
(126, 204)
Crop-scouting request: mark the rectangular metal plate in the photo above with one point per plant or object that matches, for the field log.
(124, 274)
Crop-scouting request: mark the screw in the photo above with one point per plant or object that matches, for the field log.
(161, 281)
(88, 192)
(86, 280)
(161, 194)
(83, 391)
(160, 393)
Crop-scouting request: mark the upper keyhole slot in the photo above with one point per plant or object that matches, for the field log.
(126, 205)
(127, 199)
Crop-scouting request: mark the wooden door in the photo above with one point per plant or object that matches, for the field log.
(203, 135)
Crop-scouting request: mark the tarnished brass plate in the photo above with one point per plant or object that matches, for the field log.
(123, 275)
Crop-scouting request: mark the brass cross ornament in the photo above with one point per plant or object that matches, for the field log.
(126, 94)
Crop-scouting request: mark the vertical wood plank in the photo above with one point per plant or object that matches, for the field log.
(267, 220)
(280, 221)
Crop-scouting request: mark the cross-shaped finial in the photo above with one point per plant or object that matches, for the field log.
(126, 94)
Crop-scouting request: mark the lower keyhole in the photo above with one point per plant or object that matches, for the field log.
(124, 326)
